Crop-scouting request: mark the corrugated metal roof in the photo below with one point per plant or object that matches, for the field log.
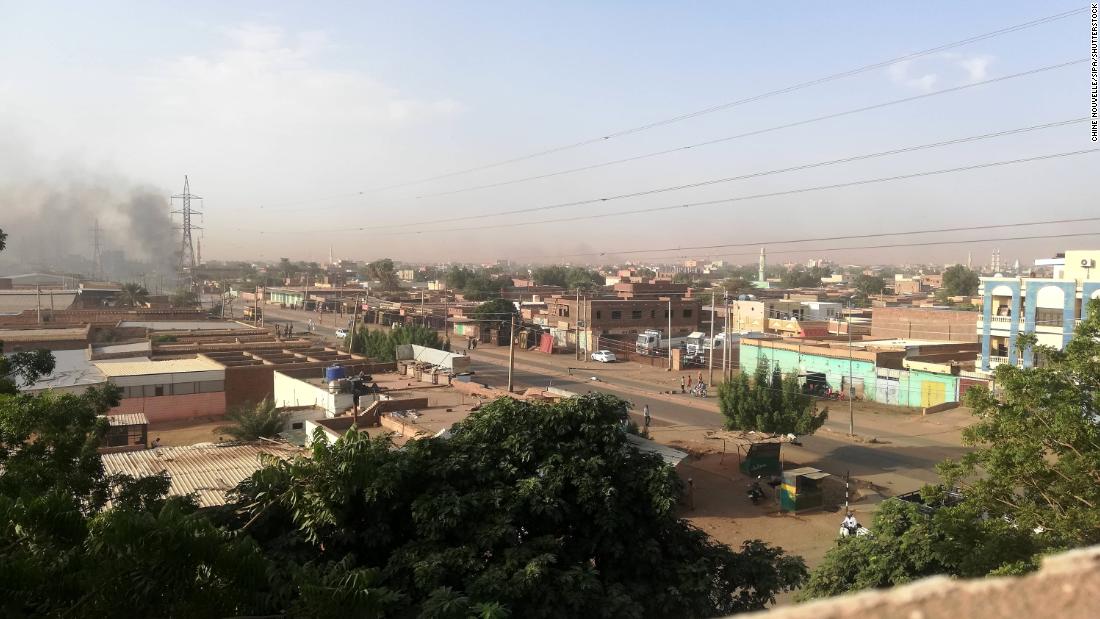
(130, 419)
(208, 471)
(71, 369)
(15, 301)
(670, 455)
(144, 368)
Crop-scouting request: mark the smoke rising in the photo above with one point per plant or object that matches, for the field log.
(50, 227)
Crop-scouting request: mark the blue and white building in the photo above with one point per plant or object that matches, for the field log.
(1050, 307)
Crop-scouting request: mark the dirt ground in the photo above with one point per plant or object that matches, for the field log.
(187, 432)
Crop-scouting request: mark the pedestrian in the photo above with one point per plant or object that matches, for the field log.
(156, 443)
(645, 416)
(290, 329)
(683, 385)
(309, 325)
(700, 377)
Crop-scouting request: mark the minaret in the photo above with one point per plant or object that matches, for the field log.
(969, 260)
(763, 263)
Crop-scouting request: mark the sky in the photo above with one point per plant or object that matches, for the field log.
(308, 126)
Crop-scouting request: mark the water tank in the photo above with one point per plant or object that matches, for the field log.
(334, 372)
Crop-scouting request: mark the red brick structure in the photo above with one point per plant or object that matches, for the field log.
(924, 324)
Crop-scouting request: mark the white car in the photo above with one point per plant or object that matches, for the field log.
(341, 333)
(603, 356)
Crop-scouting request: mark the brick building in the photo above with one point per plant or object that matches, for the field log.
(924, 323)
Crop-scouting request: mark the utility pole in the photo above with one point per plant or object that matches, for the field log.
(354, 326)
(851, 386)
(185, 272)
(511, 351)
(578, 324)
(584, 323)
(670, 334)
(710, 349)
(38, 297)
(726, 361)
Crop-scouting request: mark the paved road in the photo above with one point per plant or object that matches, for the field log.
(904, 461)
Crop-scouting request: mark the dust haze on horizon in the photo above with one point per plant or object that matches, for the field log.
(302, 128)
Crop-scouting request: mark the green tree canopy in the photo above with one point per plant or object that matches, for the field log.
(869, 284)
(1030, 486)
(736, 286)
(769, 403)
(133, 294)
(800, 277)
(960, 281)
(529, 510)
(381, 345)
(248, 423)
(64, 552)
(383, 271)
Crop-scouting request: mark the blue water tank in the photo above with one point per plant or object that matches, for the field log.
(334, 372)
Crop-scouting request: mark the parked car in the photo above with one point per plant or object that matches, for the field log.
(603, 356)
(341, 333)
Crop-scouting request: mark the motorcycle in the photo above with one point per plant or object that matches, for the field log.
(853, 530)
(755, 492)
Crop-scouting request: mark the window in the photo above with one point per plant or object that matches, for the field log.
(1048, 317)
(158, 390)
(636, 315)
(687, 313)
(616, 315)
(297, 425)
(666, 313)
(599, 314)
(652, 313)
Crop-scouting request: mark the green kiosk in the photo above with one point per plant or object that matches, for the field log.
(761, 460)
(802, 489)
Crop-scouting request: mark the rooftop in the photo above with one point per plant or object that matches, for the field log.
(144, 368)
(206, 470)
(180, 325)
(43, 335)
(71, 369)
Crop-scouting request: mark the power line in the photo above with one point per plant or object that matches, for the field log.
(723, 106)
(755, 132)
(915, 244)
(838, 238)
(770, 194)
(705, 183)
(738, 102)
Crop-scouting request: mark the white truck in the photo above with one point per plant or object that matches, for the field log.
(651, 342)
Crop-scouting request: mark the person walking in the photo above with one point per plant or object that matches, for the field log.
(646, 418)
(683, 385)
(309, 325)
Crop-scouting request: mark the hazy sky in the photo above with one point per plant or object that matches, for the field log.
(282, 113)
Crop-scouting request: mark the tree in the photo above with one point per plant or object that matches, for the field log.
(799, 277)
(527, 510)
(774, 405)
(959, 281)
(382, 345)
(63, 551)
(736, 286)
(868, 285)
(495, 310)
(383, 271)
(1030, 486)
(582, 278)
(133, 294)
(249, 423)
(184, 298)
(287, 269)
(553, 275)
(22, 367)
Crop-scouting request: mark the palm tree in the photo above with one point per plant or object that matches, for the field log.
(133, 294)
(250, 423)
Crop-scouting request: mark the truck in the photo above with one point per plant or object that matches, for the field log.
(651, 342)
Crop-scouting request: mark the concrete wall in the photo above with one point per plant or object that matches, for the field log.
(836, 370)
(294, 392)
(174, 407)
(246, 385)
